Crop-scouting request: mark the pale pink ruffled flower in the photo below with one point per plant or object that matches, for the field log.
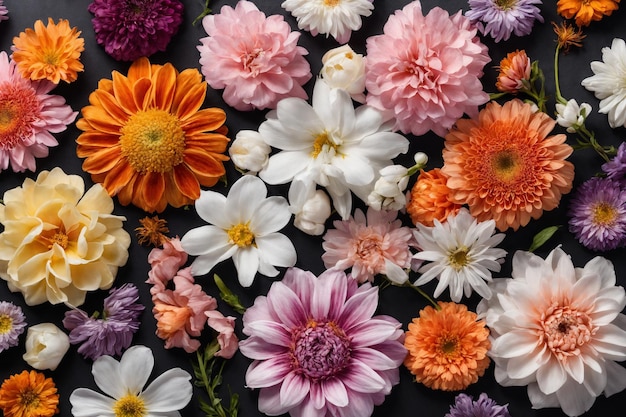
(227, 338)
(165, 263)
(425, 70)
(254, 58)
(378, 244)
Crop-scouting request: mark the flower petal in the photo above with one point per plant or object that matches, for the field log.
(88, 403)
(170, 391)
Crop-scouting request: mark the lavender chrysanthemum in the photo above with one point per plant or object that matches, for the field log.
(501, 18)
(12, 324)
(615, 169)
(465, 406)
(598, 214)
(113, 332)
(3, 11)
(131, 29)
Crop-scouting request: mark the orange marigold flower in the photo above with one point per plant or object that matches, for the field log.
(29, 394)
(429, 199)
(585, 10)
(447, 347)
(514, 72)
(568, 35)
(146, 139)
(505, 166)
(152, 231)
(49, 52)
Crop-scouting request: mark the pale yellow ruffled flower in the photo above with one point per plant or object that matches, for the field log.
(59, 241)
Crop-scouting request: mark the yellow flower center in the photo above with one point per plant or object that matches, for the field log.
(241, 235)
(506, 4)
(323, 143)
(153, 141)
(331, 3)
(29, 399)
(130, 405)
(19, 109)
(51, 57)
(6, 323)
(50, 237)
(506, 165)
(449, 345)
(459, 258)
(604, 214)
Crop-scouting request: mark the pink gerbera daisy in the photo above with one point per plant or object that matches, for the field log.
(317, 349)
(28, 117)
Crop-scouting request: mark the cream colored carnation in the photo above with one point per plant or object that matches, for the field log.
(58, 241)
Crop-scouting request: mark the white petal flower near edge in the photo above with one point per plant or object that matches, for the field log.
(243, 226)
(122, 383)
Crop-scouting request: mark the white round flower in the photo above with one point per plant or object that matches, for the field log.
(248, 151)
(343, 68)
(46, 345)
(311, 217)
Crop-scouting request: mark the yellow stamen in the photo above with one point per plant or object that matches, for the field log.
(506, 165)
(331, 3)
(603, 214)
(505, 4)
(29, 399)
(323, 143)
(6, 323)
(459, 258)
(130, 406)
(241, 235)
(449, 345)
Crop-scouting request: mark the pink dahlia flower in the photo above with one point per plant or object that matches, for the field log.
(34, 115)
(317, 349)
(425, 70)
(254, 58)
(131, 29)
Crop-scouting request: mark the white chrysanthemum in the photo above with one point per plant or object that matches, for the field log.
(461, 254)
(609, 82)
(123, 383)
(337, 18)
(558, 330)
(328, 144)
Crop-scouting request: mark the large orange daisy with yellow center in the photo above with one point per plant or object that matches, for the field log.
(146, 139)
(505, 165)
(29, 394)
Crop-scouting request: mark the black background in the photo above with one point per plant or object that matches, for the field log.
(407, 398)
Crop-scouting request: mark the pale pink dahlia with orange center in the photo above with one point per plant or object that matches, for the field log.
(425, 70)
(558, 330)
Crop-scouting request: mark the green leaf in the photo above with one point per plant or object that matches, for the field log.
(542, 237)
(228, 296)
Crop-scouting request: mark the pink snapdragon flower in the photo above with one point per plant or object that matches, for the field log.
(225, 326)
(165, 263)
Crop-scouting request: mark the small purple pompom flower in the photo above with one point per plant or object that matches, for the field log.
(598, 214)
(113, 332)
(615, 169)
(12, 324)
(465, 406)
(501, 18)
(131, 29)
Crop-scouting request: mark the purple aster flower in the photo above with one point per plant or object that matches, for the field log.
(465, 406)
(598, 214)
(12, 324)
(3, 11)
(500, 18)
(113, 332)
(616, 168)
(131, 29)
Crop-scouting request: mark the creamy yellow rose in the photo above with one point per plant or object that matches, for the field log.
(58, 241)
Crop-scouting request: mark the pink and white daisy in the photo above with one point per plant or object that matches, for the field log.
(425, 70)
(254, 58)
(317, 350)
(559, 330)
(28, 118)
(378, 244)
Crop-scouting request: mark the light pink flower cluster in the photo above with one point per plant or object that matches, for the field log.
(425, 70)
(254, 58)
(181, 307)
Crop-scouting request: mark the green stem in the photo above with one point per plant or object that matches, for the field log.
(557, 87)
(423, 294)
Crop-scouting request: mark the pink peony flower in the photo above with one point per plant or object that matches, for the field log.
(378, 244)
(317, 350)
(425, 70)
(33, 115)
(254, 58)
(227, 338)
(165, 263)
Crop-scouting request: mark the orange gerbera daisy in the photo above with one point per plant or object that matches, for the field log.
(429, 198)
(447, 347)
(29, 394)
(146, 139)
(504, 165)
(49, 52)
(586, 10)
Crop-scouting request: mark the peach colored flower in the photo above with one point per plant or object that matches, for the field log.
(429, 198)
(505, 165)
(514, 72)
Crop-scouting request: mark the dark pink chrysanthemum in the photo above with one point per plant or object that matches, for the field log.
(317, 349)
(131, 29)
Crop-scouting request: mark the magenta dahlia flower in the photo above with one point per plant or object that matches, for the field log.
(425, 70)
(254, 58)
(317, 349)
(131, 29)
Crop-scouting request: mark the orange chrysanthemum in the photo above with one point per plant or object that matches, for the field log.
(152, 231)
(586, 10)
(447, 347)
(49, 52)
(429, 199)
(567, 36)
(146, 139)
(29, 394)
(504, 165)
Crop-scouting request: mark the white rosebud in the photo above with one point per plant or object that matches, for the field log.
(571, 115)
(249, 152)
(345, 69)
(311, 218)
(388, 193)
(46, 345)
(420, 158)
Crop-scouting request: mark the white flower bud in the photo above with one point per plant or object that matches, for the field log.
(345, 69)
(312, 216)
(46, 345)
(571, 115)
(420, 158)
(388, 193)
(249, 152)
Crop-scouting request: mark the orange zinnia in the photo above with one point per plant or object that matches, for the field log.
(145, 139)
(29, 394)
(49, 52)
(504, 165)
(447, 347)
(586, 10)
(429, 199)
